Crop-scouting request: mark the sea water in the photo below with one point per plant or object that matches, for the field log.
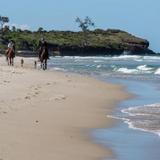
(137, 135)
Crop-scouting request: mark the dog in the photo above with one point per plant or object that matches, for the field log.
(22, 62)
(35, 64)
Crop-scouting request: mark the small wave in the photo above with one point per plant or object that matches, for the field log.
(98, 61)
(99, 58)
(128, 71)
(59, 69)
(98, 66)
(151, 58)
(132, 125)
(144, 68)
(127, 57)
(145, 118)
(157, 72)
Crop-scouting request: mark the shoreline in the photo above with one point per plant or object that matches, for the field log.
(115, 136)
(49, 114)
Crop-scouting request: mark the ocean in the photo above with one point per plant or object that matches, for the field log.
(137, 133)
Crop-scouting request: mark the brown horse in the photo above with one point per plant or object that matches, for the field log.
(10, 54)
(43, 58)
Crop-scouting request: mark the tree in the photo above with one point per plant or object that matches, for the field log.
(6, 29)
(40, 29)
(14, 29)
(19, 30)
(3, 20)
(84, 25)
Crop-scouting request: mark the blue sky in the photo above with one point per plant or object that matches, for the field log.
(139, 17)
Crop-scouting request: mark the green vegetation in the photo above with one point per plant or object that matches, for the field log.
(114, 39)
(83, 42)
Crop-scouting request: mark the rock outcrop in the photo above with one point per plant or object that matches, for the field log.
(91, 43)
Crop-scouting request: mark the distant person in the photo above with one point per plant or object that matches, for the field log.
(41, 47)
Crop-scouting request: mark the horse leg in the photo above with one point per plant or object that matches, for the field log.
(9, 61)
(12, 61)
(41, 65)
(45, 63)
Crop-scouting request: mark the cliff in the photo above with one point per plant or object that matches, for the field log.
(97, 42)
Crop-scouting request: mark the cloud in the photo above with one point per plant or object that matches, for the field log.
(20, 26)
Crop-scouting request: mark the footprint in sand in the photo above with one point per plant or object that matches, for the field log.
(2, 101)
(6, 81)
(58, 98)
(4, 112)
(14, 72)
(16, 99)
(54, 83)
(69, 80)
(37, 121)
(36, 93)
(27, 97)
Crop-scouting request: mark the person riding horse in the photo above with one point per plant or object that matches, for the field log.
(10, 53)
(43, 46)
(43, 54)
(11, 46)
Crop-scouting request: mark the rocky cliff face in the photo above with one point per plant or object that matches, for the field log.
(100, 42)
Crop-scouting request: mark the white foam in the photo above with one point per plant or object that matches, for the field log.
(59, 69)
(122, 57)
(157, 72)
(128, 71)
(127, 57)
(118, 118)
(151, 57)
(98, 66)
(143, 112)
(132, 110)
(132, 126)
(144, 68)
(98, 61)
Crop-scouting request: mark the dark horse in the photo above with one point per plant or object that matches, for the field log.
(43, 58)
(10, 54)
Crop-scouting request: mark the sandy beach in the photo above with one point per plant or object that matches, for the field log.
(46, 115)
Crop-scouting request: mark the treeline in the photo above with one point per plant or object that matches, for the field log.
(97, 40)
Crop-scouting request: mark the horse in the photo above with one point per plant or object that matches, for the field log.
(43, 58)
(10, 57)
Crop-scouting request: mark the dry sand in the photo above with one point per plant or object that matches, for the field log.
(47, 115)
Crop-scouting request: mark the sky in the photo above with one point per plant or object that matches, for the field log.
(138, 17)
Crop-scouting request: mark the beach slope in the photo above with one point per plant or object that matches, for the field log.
(46, 115)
